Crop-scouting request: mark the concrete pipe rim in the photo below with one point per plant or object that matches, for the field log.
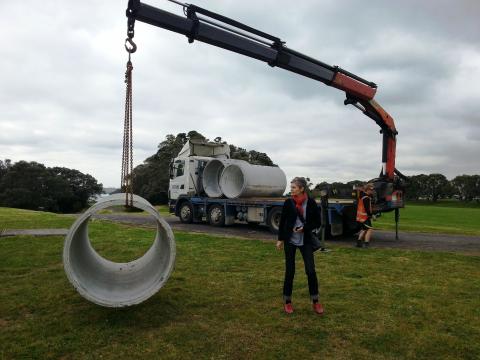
(164, 236)
(211, 184)
(230, 193)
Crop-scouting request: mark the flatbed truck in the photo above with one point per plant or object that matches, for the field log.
(188, 201)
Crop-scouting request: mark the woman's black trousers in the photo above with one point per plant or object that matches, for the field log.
(309, 261)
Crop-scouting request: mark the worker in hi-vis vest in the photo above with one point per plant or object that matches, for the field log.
(364, 216)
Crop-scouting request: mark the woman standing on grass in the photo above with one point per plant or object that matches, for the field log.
(300, 216)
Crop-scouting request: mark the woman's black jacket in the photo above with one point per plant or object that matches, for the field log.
(289, 216)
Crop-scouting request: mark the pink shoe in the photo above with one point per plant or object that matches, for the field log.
(288, 308)
(318, 308)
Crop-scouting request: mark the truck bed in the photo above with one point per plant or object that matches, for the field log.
(263, 200)
(340, 213)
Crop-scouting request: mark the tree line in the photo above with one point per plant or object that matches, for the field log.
(151, 179)
(431, 187)
(437, 186)
(31, 185)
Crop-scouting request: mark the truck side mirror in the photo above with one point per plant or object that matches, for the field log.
(170, 170)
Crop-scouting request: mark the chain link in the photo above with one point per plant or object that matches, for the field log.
(127, 156)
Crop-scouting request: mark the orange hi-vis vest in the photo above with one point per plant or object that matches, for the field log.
(362, 215)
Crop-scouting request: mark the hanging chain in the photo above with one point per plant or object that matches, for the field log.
(127, 155)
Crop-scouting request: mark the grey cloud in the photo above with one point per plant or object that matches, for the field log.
(63, 75)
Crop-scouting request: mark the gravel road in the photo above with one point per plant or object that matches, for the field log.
(469, 245)
(381, 239)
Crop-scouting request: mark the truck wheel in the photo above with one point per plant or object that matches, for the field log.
(216, 215)
(186, 213)
(273, 219)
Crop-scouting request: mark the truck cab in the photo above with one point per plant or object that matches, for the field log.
(186, 169)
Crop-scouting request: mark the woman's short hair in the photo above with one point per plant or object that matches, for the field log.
(300, 182)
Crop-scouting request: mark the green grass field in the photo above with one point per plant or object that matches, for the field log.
(162, 210)
(223, 301)
(28, 219)
(447, 203)
(444, 217)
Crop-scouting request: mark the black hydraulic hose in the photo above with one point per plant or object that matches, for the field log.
(404, 177)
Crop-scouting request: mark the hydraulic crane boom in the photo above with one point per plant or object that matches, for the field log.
(211, 28)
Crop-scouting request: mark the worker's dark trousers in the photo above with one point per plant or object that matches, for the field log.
(309, 261)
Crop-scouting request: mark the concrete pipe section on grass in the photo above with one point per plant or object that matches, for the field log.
(112, 284)
(211, 176)
(246, 180)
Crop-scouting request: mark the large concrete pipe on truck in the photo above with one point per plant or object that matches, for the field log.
(246, 180)
(211, 176)
(113, 284)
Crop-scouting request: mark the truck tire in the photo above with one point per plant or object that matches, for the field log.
(216, 215)
(185, 212)
(273, 219)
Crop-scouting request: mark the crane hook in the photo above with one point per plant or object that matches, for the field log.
(130, 46)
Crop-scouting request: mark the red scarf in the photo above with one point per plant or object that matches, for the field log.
(299, 199)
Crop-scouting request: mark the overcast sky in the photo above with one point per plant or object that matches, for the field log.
(62, 95)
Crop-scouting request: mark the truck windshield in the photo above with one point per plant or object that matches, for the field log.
(179, 166)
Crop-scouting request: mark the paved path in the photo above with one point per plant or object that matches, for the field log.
(382, 239)
(33, 232)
